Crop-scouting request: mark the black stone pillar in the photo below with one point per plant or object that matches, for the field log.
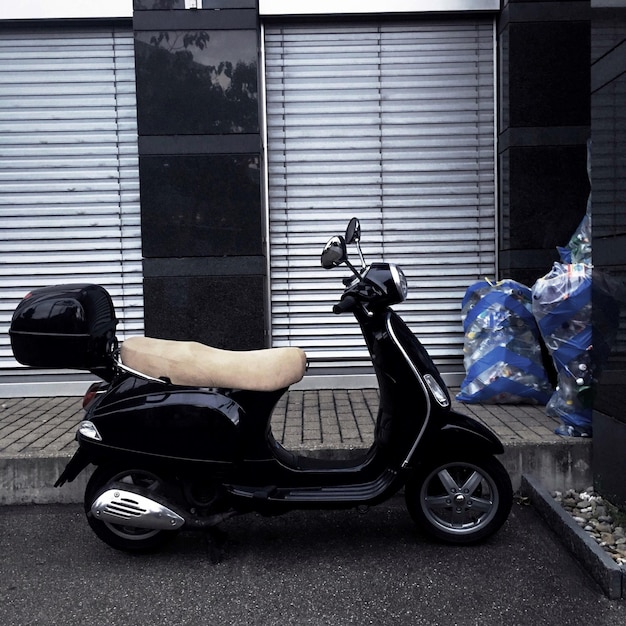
(543, 128)
(608, 173)
(199, 166)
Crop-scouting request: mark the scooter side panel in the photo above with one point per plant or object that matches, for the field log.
(169, 421)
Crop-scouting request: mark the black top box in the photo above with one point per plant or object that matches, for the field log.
(64, 326)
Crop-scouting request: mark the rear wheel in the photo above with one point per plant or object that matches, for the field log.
(127, 538)
(460, 501)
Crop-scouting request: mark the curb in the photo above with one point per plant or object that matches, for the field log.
(28, 478)
(610, 576)
(563, 465)
(559, 465)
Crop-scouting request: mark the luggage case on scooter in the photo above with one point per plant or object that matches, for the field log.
(64, 326)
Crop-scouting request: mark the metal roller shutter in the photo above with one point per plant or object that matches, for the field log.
(393, 123)
(69, 185)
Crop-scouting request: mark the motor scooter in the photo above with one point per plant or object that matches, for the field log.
(180, 433)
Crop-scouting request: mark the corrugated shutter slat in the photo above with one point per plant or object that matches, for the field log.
(69, 184)
(393, 123)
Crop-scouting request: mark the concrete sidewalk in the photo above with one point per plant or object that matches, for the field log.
(37, 437)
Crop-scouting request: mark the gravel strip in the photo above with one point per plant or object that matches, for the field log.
(599, 518)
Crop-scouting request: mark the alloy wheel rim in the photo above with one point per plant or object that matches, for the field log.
(459, 498)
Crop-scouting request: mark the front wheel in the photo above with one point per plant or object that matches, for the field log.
(460, 501)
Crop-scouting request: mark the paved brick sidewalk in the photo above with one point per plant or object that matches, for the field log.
(311, 419)
(339, 418)
(39, 426)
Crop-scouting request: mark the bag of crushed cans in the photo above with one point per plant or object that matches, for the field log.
(502, 346)
(562, 307)
(579, 343)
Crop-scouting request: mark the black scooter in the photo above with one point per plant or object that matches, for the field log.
(180, 432)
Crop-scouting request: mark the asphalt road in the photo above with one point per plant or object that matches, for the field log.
(303, 568)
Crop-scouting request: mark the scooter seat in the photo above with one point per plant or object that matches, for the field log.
(198, 365)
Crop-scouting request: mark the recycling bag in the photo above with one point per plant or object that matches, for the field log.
(502, 348)
(562, 306)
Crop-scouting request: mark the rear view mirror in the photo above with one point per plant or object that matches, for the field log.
(353, 231)
(334, 253)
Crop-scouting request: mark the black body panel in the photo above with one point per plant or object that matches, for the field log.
(160, 419)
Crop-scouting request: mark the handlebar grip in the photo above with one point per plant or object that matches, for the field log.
(344, 305)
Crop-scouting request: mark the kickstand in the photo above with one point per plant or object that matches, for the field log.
(216, 544)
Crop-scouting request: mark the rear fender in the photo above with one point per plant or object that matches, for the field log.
(75, 466)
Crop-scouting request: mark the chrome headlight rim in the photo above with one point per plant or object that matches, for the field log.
(400, 282)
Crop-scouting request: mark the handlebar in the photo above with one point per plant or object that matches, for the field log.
(346, 304)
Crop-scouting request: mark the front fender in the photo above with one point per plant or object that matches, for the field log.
(461, 433)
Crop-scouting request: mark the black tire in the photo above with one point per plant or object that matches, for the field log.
(125, 538)
(460, 500)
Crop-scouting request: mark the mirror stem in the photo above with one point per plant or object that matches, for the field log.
(358, 247)
(354, 270)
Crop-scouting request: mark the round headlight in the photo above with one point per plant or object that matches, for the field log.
(400, 282)
(404, 285)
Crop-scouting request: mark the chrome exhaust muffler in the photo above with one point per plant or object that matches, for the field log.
(126, 508)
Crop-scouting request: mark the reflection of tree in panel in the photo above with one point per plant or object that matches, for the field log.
(186, 88)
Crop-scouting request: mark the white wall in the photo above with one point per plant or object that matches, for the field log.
(55, 9)
(352, 7)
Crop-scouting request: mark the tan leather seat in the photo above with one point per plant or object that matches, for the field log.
(198, 365)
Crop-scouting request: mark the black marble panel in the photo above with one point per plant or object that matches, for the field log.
(167, 5)
(222, 311)
(609, 460)
(526, 266)
(545, 191)
(196, 82)
(609, 337)
(157, 5)
(609, 159)
(204, 205)
(548, 74)
(608, 172)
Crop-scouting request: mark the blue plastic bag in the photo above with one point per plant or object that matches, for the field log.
(502, 348)
(562, 307)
